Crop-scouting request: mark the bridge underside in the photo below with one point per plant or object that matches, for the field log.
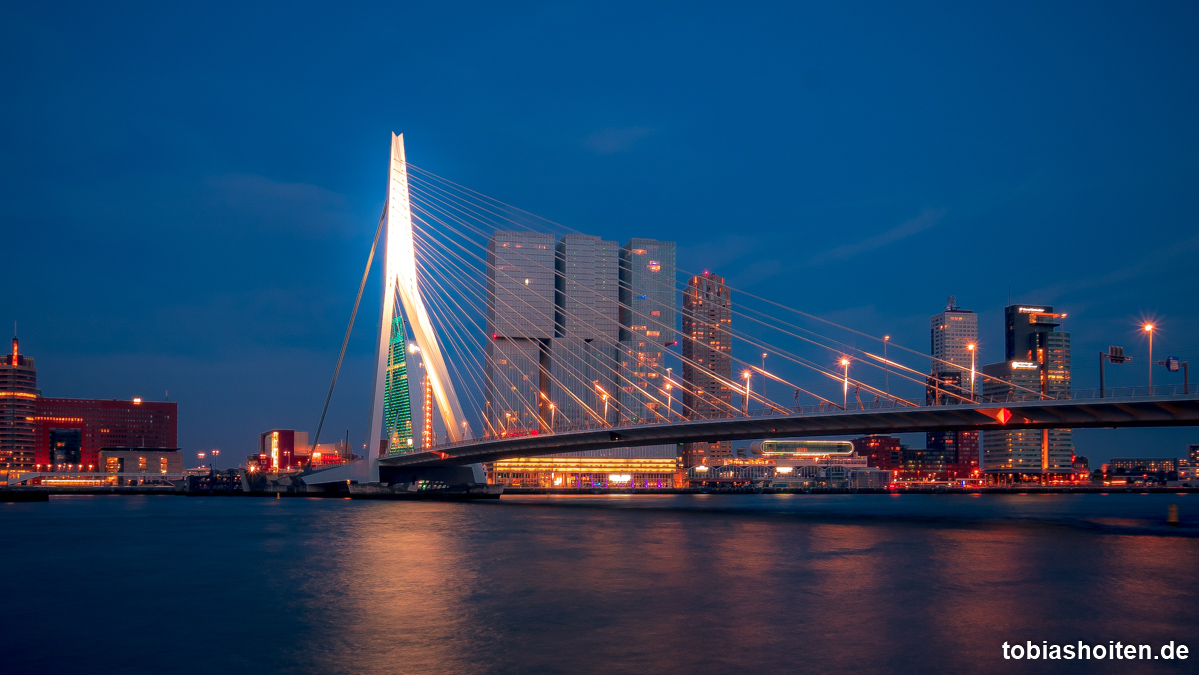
(1097, 413)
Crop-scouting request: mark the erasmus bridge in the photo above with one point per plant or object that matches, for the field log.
(487, 392)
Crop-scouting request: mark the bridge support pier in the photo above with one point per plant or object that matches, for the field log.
(468, 478)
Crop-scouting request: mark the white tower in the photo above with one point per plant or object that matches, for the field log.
(400, 281)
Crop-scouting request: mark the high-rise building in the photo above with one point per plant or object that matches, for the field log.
(520, 321)
(953, 344)
(586, 328)
(648, 302)
(1037, 367)
(566, 371)
(18, 406)
(707, 361)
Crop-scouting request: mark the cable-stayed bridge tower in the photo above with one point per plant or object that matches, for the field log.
(400, 286)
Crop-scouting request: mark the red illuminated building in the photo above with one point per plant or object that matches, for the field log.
(73, 430)
(881, 452)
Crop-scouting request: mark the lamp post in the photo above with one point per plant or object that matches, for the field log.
(845, 384)
(971, 348)
(1149, 330)
(745, 403)
(604, 395)
(669, 388)
(886, 367)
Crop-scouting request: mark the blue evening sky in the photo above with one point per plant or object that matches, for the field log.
(188, 191)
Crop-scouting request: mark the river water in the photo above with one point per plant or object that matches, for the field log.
(603, 584)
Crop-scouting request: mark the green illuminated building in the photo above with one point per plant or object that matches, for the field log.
(397, 409)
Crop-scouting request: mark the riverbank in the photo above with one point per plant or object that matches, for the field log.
(41, 493)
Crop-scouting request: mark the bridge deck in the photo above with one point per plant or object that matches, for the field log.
(1068, 414)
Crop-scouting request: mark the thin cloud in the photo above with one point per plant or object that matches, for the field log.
(928, 219)
(1156, 261)
(615, 139)
(269, 203)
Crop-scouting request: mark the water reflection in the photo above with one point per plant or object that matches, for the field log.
(613, 585)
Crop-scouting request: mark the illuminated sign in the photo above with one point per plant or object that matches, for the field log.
(1031, 310)
(1024, 365)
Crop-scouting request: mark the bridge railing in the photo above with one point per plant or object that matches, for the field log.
(1110, 393)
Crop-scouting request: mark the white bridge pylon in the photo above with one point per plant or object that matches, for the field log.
(399, 264)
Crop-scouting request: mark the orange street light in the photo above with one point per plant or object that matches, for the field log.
(971, 348)
(1149, 329)
(845, 384)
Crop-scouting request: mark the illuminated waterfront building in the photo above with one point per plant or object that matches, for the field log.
(707, 362)
(648, 313)
(38, 432)
(1037, 366)
(281, 450)
(1160, 469)
(881, 452)
(642, 468)
(793, 464)
(18, 406)
(140, 460)
(69, 428)
(953, 344)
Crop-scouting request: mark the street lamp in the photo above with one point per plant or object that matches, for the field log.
(745, 402)
(971, 348)
(1149, 329)
(886, 367)
(604, 394)
(845, 385)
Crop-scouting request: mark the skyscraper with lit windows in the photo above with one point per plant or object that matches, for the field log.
(18, 407)
(1037, 367)
(648, 302)
(520, 322)
(953, 344)
(707, 361)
